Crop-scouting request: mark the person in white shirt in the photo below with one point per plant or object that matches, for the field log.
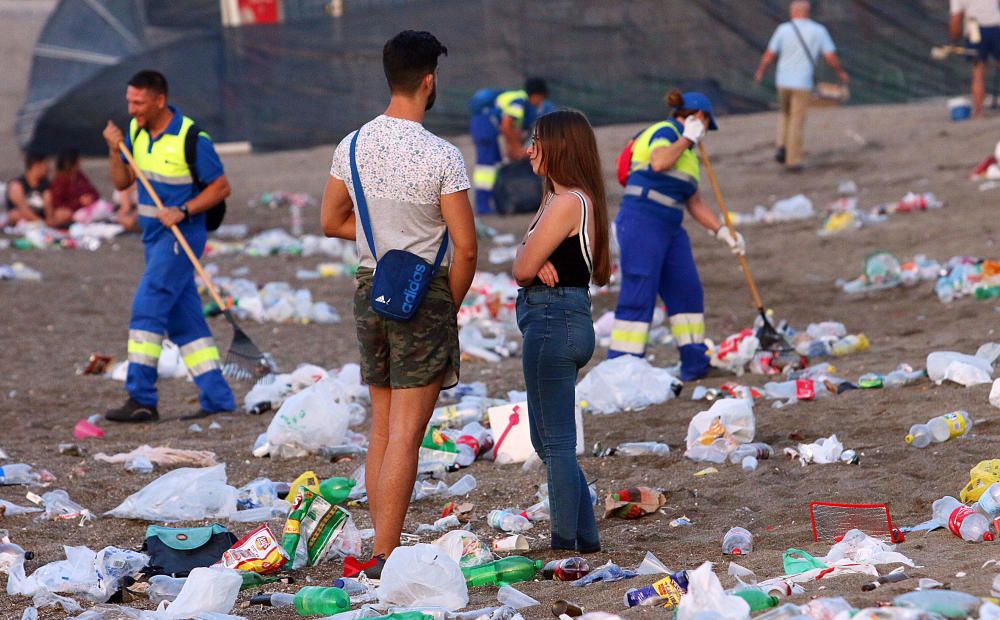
(981, 19)
(416, 187)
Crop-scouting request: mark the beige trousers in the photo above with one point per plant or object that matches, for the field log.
(793, 104)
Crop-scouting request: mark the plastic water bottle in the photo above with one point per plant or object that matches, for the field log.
(309, 601)
(513, 569)
(508, 521)
(641, 448)
(919, 436)
(737, 541)
(164, 588)
(12, 555)
(17, 473)
(940, 429)
(964, 522)
(989, 501)
(950, 425)
(903, 375)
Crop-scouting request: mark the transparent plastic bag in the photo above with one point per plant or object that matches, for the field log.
(185, 494)
(423, 575)
(625, 383)
(705, 596)
(206, 590)
(312, 419)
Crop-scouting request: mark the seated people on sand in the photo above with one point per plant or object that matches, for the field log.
(74, 198)
(29, 198)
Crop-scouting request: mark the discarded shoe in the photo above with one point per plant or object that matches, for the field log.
(132, 412)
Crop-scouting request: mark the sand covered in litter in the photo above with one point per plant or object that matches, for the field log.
(82, 306)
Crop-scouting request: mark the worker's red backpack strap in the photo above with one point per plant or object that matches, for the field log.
(625, 163)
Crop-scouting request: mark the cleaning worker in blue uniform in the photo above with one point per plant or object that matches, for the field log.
(166, 303)
(655, 249)
(510, 113)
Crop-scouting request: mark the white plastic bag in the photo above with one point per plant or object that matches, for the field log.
(736, 416)
(422, 575)
(315, 417)
(962, 369)
(185, 494)
(206, 590)
(995, 394)
(859, 547)
(823, 451)
(625, 383)
(465, 548)
(706, 598)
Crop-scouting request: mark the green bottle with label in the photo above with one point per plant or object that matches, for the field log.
(319, 601)
(513, 569)
(757, 599)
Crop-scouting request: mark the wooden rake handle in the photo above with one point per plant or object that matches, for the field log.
(177, 232)
(744, 265)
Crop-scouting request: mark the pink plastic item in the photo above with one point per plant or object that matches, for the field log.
(85, 429)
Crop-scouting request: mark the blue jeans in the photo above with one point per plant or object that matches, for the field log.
(558, 341)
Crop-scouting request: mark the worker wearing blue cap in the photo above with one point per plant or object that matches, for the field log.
(656, 254)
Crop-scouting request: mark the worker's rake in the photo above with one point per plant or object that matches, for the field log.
(245, 360)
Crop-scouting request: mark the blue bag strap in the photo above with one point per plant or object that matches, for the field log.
(359, 197)
(366, 224)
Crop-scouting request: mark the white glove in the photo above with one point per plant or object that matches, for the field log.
(735, 243)
(694, 129)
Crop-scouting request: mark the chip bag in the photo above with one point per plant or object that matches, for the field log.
(257, 552)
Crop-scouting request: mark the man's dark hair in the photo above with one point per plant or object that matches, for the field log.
(408, 57)
(148, 79)
(536, 86)
(33, 157)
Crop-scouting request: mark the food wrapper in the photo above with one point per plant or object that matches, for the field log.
(258, 552)
(633, 503)
(320, 526)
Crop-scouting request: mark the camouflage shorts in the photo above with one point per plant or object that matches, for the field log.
(408, 354)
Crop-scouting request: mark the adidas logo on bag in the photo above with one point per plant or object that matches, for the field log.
(381, 299)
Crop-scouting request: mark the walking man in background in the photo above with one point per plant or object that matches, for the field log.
(415, 186)
(167, 302)
(981, 19)
(796, 45)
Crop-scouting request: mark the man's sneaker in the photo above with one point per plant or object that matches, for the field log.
(201, 413)
(374, 571)
(132, 411)
(779, 155)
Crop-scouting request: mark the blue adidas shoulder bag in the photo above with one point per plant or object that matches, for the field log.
(401, 278)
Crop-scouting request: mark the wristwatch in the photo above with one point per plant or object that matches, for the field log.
(184, 210)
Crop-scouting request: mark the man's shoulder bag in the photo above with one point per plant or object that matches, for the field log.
(824, 94)
(401, 278)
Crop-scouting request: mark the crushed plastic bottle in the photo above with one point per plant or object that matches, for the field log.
(508, 521)
(164, 588)
(737, 541)
(989, 501)
(18, 473)
(963, 521)
(947, 603)
(903, 375)
(608, 573)
(758, 450)
(642, 448)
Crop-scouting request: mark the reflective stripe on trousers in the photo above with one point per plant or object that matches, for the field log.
(629, 336)
(688, 328)
(201, 356)
(144, 347)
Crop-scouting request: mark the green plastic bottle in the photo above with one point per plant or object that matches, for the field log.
(757, 599)
(513, 569)
(318, 601)
(336, 490)
(255, 580)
